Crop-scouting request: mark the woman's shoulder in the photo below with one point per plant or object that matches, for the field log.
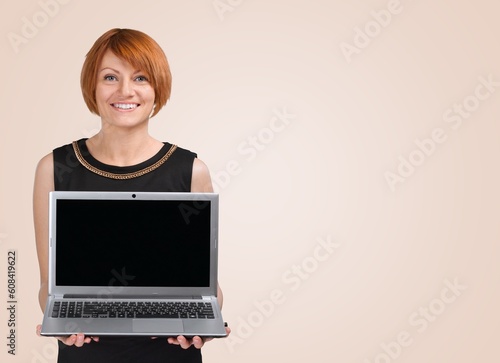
(181, 150)
(180, 154)
(69, 145)
(45, 163)
(44, 174)
(45, 166)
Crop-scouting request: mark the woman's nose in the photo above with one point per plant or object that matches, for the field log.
(126, 88)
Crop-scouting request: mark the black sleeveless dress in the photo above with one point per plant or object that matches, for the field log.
(170, 170)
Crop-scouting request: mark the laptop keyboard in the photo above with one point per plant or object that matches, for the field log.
(132, 309)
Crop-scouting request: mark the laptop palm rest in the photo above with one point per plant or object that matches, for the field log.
(157, 326)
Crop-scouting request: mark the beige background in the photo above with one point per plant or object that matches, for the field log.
(323, 176)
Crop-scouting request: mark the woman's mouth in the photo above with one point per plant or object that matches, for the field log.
(125, 106)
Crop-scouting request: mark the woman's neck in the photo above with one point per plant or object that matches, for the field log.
(123, 148)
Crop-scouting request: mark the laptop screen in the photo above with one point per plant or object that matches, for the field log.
(136, 243)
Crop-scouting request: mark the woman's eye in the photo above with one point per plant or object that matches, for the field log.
(142, 79)
(110, 78)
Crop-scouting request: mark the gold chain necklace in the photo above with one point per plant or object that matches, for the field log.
(125, 176)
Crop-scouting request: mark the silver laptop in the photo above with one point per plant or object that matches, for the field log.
(133, 264)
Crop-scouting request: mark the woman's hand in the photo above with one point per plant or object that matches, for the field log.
(78, 340)
(197, 341)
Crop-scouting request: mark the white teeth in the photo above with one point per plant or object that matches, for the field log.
(125, 106)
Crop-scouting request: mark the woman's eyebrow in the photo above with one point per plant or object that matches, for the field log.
(114, 70)
(111, 69)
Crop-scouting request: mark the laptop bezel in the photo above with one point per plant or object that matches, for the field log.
(116, 292)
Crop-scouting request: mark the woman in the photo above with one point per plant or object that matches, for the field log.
(125, 80)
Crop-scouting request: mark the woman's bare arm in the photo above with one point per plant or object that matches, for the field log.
(44, 183)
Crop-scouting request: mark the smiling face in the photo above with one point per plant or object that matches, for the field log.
(124, 95)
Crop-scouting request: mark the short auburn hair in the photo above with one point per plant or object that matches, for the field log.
(136, 48)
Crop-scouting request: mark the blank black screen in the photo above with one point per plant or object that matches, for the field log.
(143, 243)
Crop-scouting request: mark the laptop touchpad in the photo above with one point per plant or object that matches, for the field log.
(157, 326)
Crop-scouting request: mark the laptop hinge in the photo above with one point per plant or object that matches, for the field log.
(79, 296)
